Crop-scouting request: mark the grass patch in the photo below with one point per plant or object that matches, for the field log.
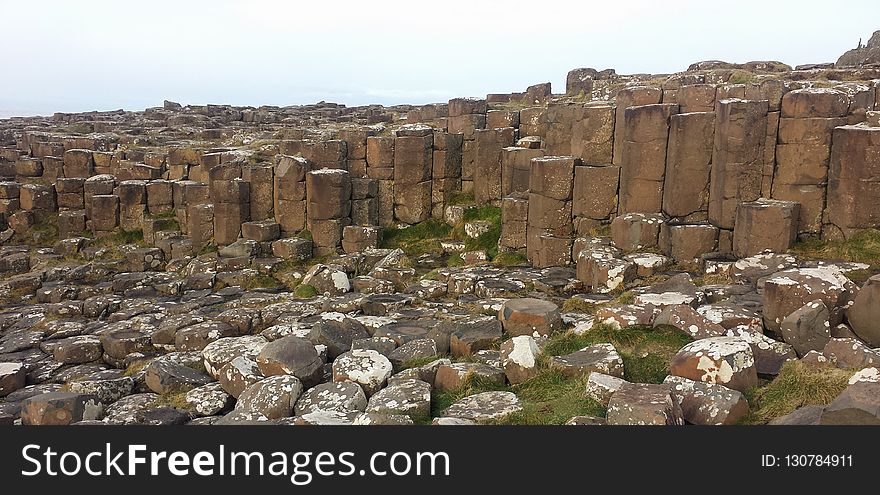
(861, 247)
(458, 198)
(418, 239)
(261, 281)
(305, 291)
(120, 237)
(305, 234)
(487, 241)
(646, 351)
(577, 305)
(798, 384)
(177, 401)
(740, 76)
(510, 258)
(473, 385)
(418, 362)
(208, 249)
(712, 279)
(550, 398)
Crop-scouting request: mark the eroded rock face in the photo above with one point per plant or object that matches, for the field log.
(727, 361)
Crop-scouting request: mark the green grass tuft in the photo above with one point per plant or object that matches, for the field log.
(798, 384)
(646, 351)
(861, 247)
(305, 291)
(418, 239)
(458, 198)
(510, 258)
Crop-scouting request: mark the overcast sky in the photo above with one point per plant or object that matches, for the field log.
(103, 55)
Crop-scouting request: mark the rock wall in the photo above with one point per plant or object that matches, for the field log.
(713, 160)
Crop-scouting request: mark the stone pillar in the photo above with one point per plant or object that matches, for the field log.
(260, 181)
(446, 174)
(364, 202)
(105, 213)
(413, 157)
(853, 189)
(594, 197)
(515, 165)
(290, 193)
(737, 159)
(328, 193)
(550, 227)
(160, 198)
(630, 97)
(803, 152)
(514, 221)
(231, 199)
(132, 203)
(643, 157)
(688, 165)
(487, 167)
(69, 193)
(466, 115)
(380, 166)
(356, 146)
(99, 184)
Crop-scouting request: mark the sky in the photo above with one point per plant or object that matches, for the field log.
(86, 55)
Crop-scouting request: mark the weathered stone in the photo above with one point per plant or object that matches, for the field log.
(728, 361)
(333, 396)
(529, 316)
(600, 387)
(327, 280)
(643, 404)
(807, 329)
(337, 331)
(273, 397)
(12, 377)
(59, 408)
(850, 354)
(410, 397)
(485, 406)
(765, 225)
(454, 376)
(600, 357)
(707, 403)
(519, 358)
(789, 290)
(291, 355)
(859, 404)
(864, 313)
(367, 368)
(470, 336)
(208, 400)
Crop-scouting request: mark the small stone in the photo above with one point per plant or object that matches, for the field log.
(291, 356)
(273, 397)
(470, 336)
(334, 396)
(60, 408)
(600, 387)
(454, 376)
(337, 331)
(367, 368)
(412, 350)
(519, 358)
(643, 404)
(707, 403)
(859, 404)
(237, 375)
(208, 400)
(600, 357)
(12, 377)
(808, 328)
(850, 354)
(529, 316)
(327, 280)
(166, 377)
(410, 397)
(728, 361)
(485, 406)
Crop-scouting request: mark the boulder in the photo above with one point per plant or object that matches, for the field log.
(471, 335)
(238, 374)
(327, 280)
(789, 290)
(519, 358)
(164, 376)
(12, 377)
(454, 376)
(850, 354)
(643, 404)
(807, 329)
(485, 406)
(367, 368)
(208, 400)
(728, 361)
(273, 397)
(600, 357)
(334, 396)
(600, 387)
(337, 331)
(704, 403)
(291, 355)
(529, 316)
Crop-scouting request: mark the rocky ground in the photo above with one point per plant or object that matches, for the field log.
(417, 333)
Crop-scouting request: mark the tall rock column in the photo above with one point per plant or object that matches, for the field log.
(549, 230)
(487, 167)
(413, 163)
(630, 97)
(803, 151)
(380, 166)
(853, 181)
(231, 199)
(446, 175)
(643, 157)
(738, 158)
(328, 193)
(466, 115)
(688, 165)
(289, 193)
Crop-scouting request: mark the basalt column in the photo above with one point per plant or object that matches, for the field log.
(643, 157)
(328, 193)
(413, 163)
(549, 231)
(487, 167)
(466, 115)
